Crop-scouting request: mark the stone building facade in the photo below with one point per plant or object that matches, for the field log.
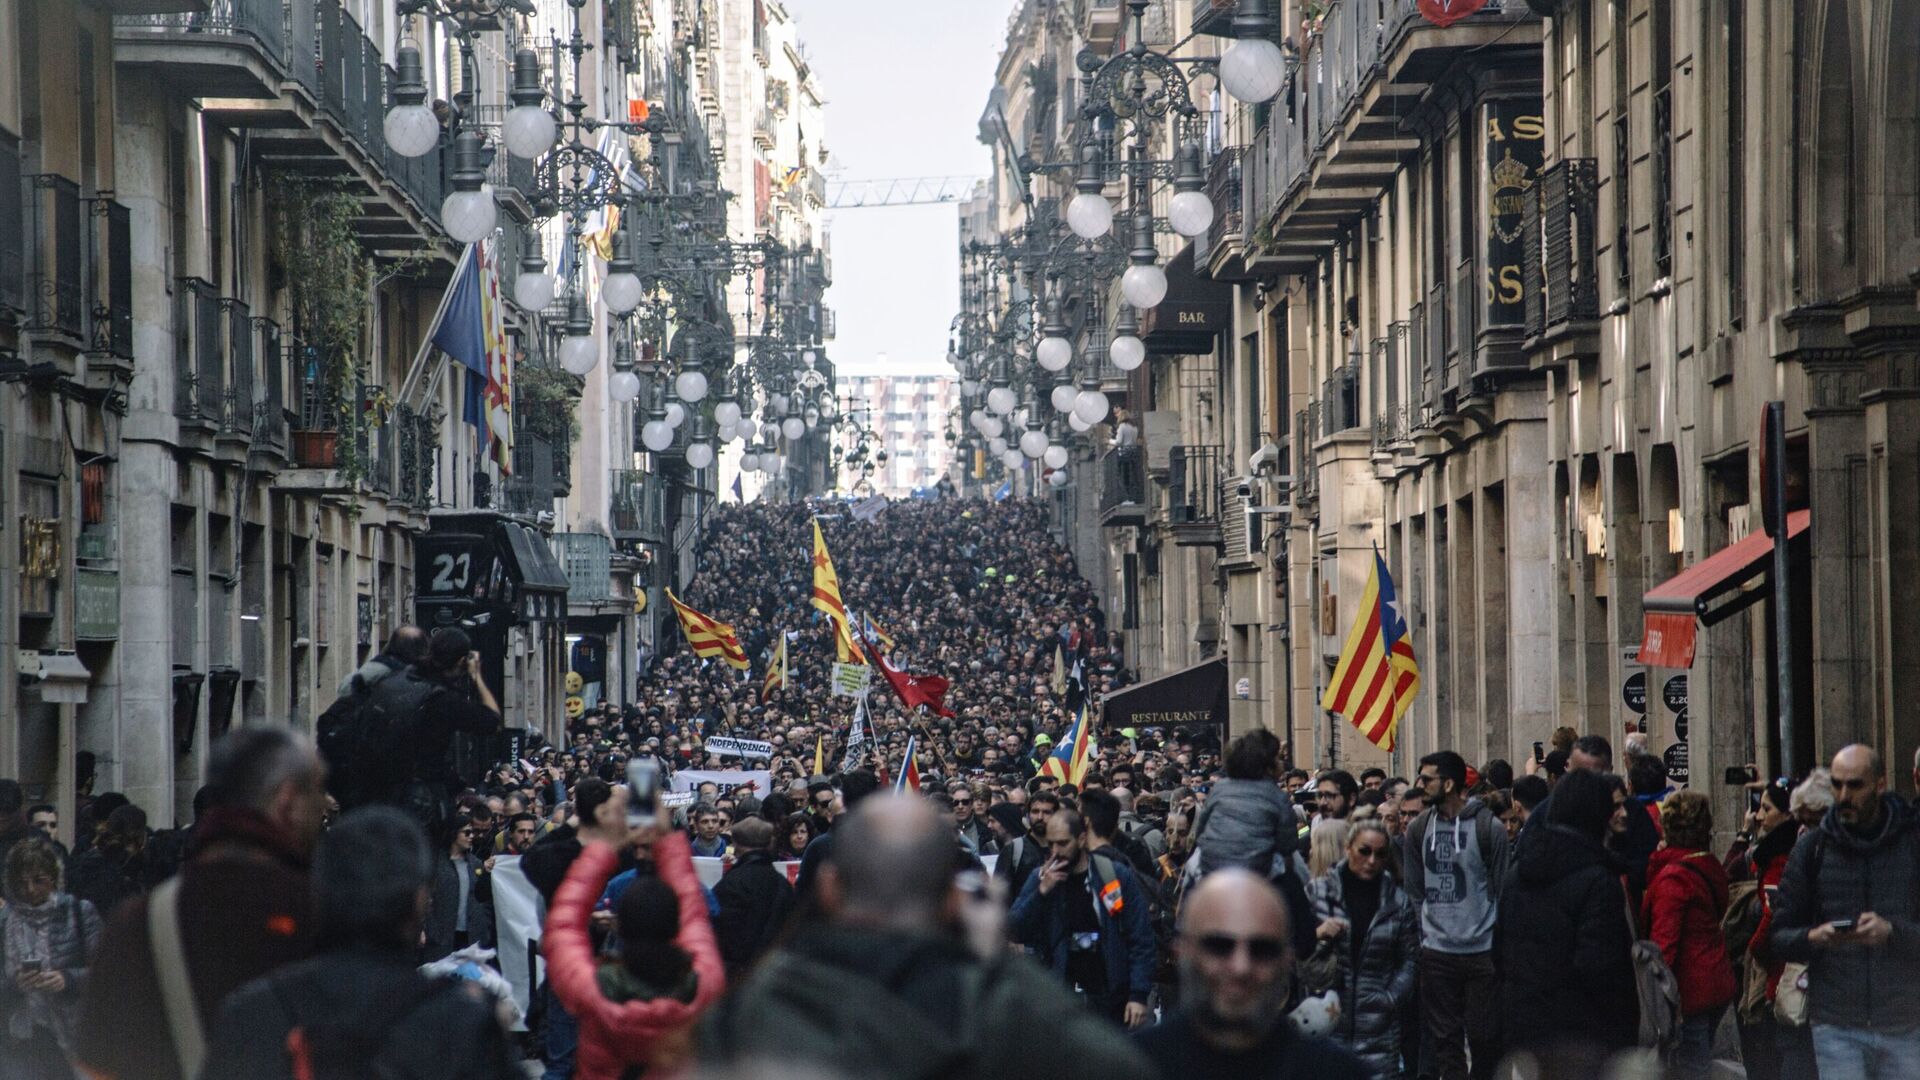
(1505, 302)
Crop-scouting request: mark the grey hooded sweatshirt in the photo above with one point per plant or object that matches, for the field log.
(1454, 869)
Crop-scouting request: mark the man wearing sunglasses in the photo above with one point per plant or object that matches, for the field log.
(1235, 972)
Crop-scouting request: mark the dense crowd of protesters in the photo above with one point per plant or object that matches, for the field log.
(1185, 910)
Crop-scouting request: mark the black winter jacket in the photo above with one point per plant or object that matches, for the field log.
(1565, 947)
(366, 1008)
(1834, 873)
(755, 901)
(1372, 993)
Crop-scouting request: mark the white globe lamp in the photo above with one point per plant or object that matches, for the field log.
(1144, 285)
(793, 427)
(676, 414)
(1056, 457)
(998, 445)
(621, 292)
(1013, 459)
(1091, 407)
(1058, 478)
(1000, 401)
(469, 216)
(1054, 353)
(1033, 443)
(623, 386)
(656, 435)
(1190, 213)
(1089, 215)
(411, 130)
(579, 353)
(691, 386)
(1127, 352)
(1063, 397)
(749, 462)
(993, 427)
(529, 131)
(1252, 70)
(699, 455)
(727, 414)
(533, 289)
(1077, 424)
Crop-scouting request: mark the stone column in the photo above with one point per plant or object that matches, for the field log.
(1840, 701)
(1529, 601)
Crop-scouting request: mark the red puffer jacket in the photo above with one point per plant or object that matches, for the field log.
(1686, 896)
(615, 1035)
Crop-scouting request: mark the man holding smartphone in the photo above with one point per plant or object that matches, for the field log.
(1848, 907)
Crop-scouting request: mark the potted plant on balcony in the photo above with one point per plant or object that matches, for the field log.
(329, 277)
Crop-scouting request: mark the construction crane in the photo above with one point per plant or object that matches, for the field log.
(900, 191)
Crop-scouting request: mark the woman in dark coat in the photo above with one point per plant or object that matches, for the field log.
(1564, 942)
(1367, 916)
(460, 907)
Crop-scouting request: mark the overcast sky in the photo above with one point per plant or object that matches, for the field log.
(905, 86)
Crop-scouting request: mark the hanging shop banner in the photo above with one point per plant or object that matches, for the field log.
(1516, 142)
(740, 748)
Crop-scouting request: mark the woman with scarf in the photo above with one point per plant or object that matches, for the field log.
(47, 939)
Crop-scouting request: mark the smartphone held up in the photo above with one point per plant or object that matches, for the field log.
(643, 790)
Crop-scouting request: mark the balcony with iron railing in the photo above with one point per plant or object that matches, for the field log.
(637, 507)
(111, 279)
(1562, 294)
(56, 259)
(766, 129)
(1340, 401)
(199, 356)
(284, 68)
(1123, 487)
(1363, 66)
(1193, 495)
(1218, 249)
(233, 49)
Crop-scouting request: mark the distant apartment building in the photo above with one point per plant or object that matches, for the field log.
(904, 416)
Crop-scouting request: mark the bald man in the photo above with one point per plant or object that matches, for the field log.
(1234, 978)
(1849, 908)
(888, 988)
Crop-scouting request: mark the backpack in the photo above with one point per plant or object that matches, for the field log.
(1657, 989)
(366, 738)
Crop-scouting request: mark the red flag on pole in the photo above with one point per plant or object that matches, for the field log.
(914, 690)
(1444, 13)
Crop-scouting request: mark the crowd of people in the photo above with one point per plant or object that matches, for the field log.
(1173, 908)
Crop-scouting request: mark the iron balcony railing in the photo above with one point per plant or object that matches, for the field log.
(1193, 485)
(1224, 191)
(111, 279)
(237, 412)
(13, 236)
(1340, 400)
(56, 263)
(636, 508)
(199, 360)
(1558, 257)
(1123, 478)
(270, 424)
(265, 21)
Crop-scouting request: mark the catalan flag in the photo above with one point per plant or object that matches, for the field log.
(875, 634)
(776, 677)
(1068, 762)
(909, 779)
(1377, 675)
(826, 598)
(709, 637)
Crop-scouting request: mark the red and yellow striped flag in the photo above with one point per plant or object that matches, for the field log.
(826, 598)
(1377, 677)
(707, 636)
(776, 676)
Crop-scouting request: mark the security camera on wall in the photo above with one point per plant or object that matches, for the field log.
(1264, 460)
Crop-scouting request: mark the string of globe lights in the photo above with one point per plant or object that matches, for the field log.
(669, 254)
(1019, 296)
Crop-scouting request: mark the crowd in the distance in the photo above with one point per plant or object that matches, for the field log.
(1179, 909)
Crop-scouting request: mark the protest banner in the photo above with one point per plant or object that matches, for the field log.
(740, 748)
(850, 680)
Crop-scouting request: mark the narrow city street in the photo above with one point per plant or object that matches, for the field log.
(1042, 539)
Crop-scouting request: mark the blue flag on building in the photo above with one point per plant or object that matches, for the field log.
(460, 332)
(737, 496)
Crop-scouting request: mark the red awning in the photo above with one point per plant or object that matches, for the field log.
(1677, 607)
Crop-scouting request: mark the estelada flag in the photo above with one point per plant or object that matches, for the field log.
(1444, 13)
(909, 771)
(1377, 676)
(776, 672)
(1068, 762)
(707, 636)
(826, 598)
